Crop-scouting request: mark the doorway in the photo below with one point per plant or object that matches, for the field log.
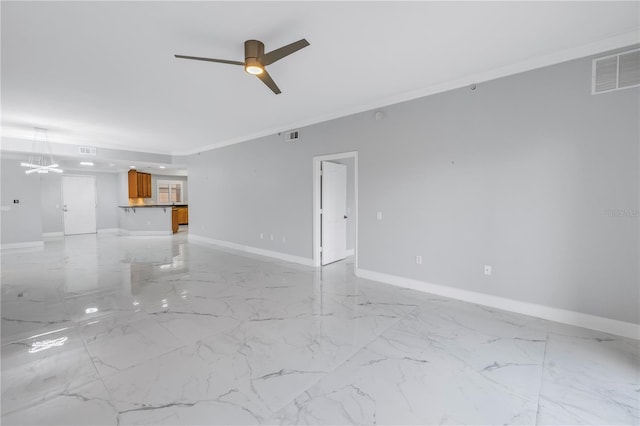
(79, 204)
(335, 207)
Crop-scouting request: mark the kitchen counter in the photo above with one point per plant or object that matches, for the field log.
(145, 220)
(152, 219)
(153, 205)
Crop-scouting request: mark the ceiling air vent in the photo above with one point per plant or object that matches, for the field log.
(616, 72)
(292, 136)
(87, 150)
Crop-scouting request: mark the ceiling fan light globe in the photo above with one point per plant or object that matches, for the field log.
(254, 69)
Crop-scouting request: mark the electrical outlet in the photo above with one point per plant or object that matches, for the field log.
(418, 260)
(487, 269)
(284, 239)
(271, 237)
(262, 236)
(379, 216)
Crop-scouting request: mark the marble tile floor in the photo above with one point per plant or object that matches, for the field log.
(106, 330)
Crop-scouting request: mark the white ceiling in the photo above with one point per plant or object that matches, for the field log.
(103, 74)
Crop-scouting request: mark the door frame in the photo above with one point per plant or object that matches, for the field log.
(317, 163)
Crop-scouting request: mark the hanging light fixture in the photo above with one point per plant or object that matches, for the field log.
(41, 160)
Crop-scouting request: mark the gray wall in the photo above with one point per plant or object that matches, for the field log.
(23, 221)
(123, 189)
(107, 187)
(521, 174)
(107, 209)
(40, 205)
(51, 203)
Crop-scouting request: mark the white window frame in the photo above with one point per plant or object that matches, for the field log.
(171, 182)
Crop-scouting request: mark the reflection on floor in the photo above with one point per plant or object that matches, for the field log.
(155, 330)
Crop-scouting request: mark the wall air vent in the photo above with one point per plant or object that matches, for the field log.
(87, 150)
(615, 72)
(292, 136)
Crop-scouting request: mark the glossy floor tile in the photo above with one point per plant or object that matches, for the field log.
(131, 330)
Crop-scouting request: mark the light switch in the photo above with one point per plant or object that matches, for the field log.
(379, 215)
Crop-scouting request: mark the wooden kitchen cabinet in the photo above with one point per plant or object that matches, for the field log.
(144, 185)
(133, 184)
(183, 215)
(174, 220)
(139, 184)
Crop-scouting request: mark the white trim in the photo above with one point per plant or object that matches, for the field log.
(317, 161)
(145, 233)
(254, 250)
(351, 252)
(579, 319)
(616, 42)
(27, 244)
(52, 234)
(109, 231)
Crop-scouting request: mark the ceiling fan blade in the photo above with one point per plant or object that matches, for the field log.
(275, 55)
(266, 79)
(222, 61)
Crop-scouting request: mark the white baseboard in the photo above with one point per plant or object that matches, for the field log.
(109, 231)
(26, 244)
(128, 233)
(579, 319)
(254, 250)
(52, 234)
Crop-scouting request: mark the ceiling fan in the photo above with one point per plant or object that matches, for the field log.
(255, 60)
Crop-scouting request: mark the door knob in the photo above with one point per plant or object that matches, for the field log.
(345, 216)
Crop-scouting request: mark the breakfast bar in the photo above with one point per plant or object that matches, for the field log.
(151, 219)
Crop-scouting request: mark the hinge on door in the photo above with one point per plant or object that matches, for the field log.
(320, 211)
(320, 249)
(320, 172)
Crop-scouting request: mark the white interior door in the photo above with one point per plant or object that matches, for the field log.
(79, 204)
(334, 212)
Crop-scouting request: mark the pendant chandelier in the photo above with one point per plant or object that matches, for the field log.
(41, 160)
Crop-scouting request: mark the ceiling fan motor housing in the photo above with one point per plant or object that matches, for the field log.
(253, 49)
